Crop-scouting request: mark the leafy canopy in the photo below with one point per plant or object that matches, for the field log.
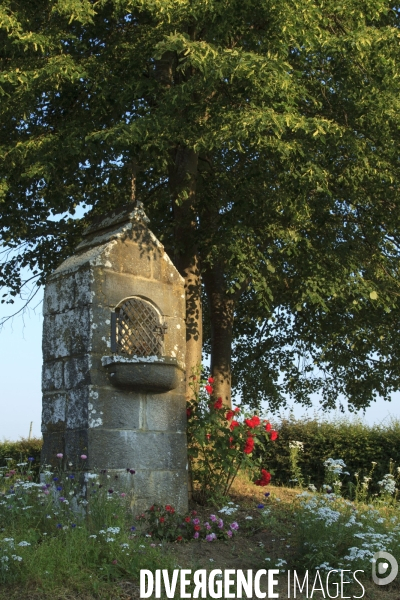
(293, 110)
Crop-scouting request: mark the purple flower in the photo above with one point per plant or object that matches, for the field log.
(207, 526)
(133, 528)
(73, 525)
(55, 478)
(213, 518)
(211, 537)
(71, 476)
(220, 523)
(59, 488)
(61, 499)
(267, 494)
(234, 526)
(196, 535)
(59, 526)
(260, 505)
(229, 533)
(60, 455)
(110, 491)
(196, 521)
(31, 459)
(131, 471)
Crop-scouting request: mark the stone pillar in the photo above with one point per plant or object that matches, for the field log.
(118, 398)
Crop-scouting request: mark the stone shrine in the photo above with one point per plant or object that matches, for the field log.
(113, 360)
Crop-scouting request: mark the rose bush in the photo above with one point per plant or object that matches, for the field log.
(220, 442)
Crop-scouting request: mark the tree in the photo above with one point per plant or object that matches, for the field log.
(262, 138)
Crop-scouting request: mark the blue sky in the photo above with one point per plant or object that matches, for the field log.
(20, 375)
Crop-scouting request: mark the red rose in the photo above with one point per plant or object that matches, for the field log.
(209, 389)
(273, 436)
(188, 412)
(168, 508)
(187, 519)
(208, 435)
(248, 449)
(237, 409)
(230, 414)
(194, 512)
(179, 538)
(162, 519)
(268, 427)
(265, 478)
(218, 403)
(210, 380)
(197, 527)
(253, 422)
(231, 444)
(233, 425)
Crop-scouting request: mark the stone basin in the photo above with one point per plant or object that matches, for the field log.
(144, 374)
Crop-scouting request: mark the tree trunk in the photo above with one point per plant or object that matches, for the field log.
(182, 183)
(222, 315)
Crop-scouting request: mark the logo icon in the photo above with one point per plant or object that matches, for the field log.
(386, 560)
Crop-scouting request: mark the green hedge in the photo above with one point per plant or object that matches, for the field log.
(351, 440)
(20, 452)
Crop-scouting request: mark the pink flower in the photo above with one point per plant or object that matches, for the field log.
(115, 562)
(196, 521)
(213, 518)
(83, 456)
(234, 526)
(220, 523)
(46, 492)
(123, 495)
(229, 533)
(196, 535)
(211, 537)
(60, 455)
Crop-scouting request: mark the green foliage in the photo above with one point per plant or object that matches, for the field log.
(291, 110)
(20, 451)
(356, 443)
(53, 537)
(220, 442)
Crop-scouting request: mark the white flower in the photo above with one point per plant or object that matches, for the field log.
(23, 544)
(113, 530)
(299, 445)
(93, 536)
(248, 518)
(15, 557)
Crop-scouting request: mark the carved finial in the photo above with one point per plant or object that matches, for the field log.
(138, 213)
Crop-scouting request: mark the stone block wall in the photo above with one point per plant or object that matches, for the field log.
(83, 411)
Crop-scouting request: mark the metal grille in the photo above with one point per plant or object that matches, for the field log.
(137, 330)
